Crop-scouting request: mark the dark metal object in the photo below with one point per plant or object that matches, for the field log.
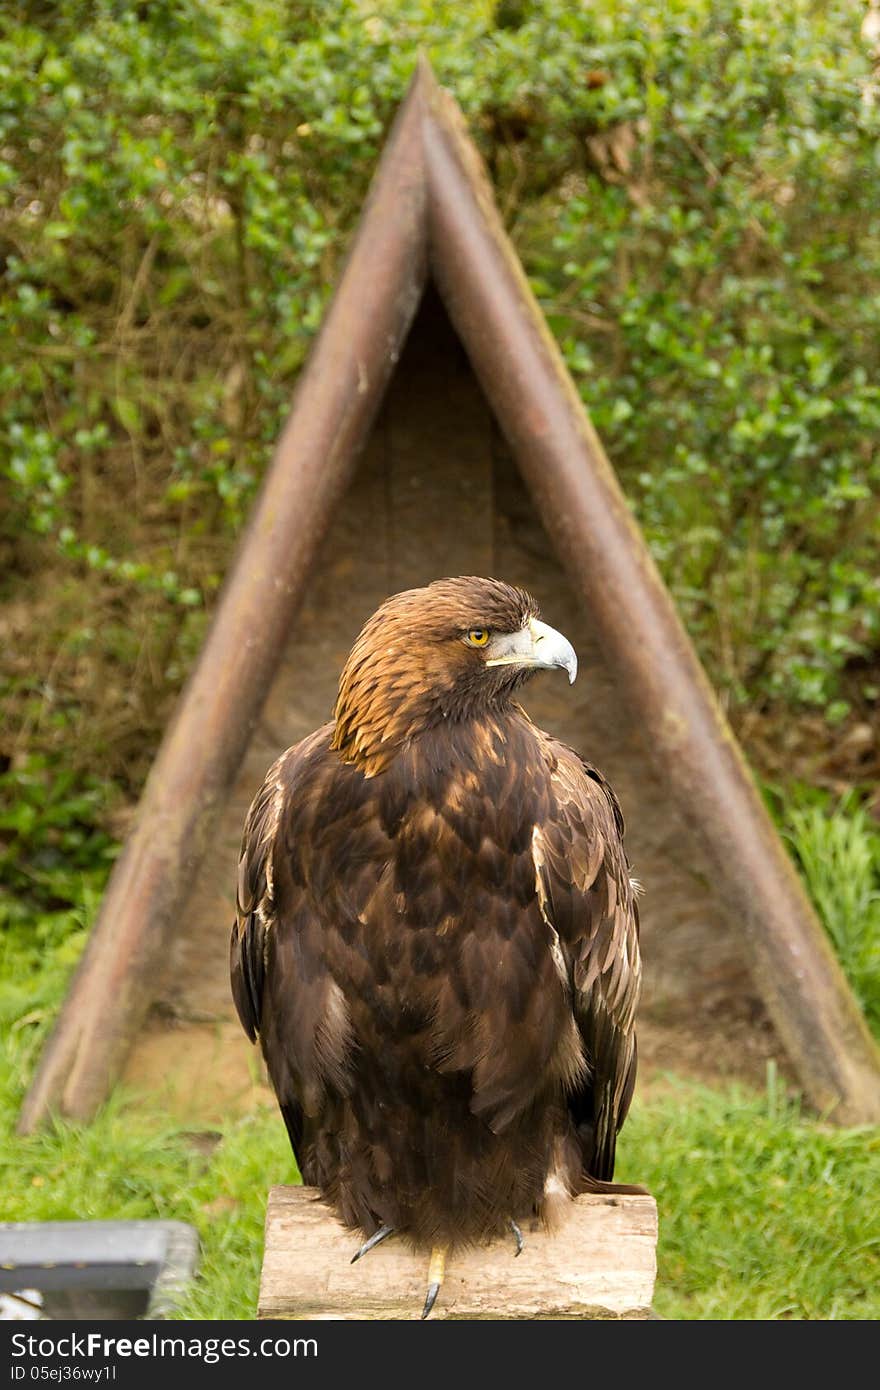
(102, 1268)
(431, 197)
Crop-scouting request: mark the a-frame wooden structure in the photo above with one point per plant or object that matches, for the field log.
(431, 217)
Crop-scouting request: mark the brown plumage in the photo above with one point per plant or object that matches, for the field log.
(437, 935)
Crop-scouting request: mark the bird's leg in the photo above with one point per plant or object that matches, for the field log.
(436, 1270)
(518, 1237)
(375, 1239)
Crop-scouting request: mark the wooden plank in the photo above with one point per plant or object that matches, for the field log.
(600, 1263)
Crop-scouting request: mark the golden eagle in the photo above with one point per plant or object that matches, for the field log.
(437, 934)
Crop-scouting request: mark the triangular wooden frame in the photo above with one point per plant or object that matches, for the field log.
(431, 212)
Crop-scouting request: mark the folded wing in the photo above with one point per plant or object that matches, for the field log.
(589, 903)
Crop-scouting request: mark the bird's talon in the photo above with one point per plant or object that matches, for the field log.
(375, 1239)
(433, 1290)
(436, 1270)
(518, 1237)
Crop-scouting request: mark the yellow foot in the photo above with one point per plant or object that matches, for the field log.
(436, 1270)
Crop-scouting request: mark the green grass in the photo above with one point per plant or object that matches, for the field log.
(763, 1213)
(838, 853)
(130, 1162)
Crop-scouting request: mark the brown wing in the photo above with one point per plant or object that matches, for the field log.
(254, 906)
(589, 901)
(281, 988)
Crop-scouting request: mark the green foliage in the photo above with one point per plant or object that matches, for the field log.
(839, 856)
(54, 862)
(693, 188)
(764, 1214)
(48, 837)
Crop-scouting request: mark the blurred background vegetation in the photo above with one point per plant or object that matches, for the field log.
(694, 189)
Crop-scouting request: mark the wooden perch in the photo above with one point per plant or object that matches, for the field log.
(601, 1263)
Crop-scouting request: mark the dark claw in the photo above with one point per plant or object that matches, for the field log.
(518, 1237)
(433, 1290)
(376, 1239)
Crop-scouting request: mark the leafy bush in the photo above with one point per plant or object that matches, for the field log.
(54, 862)
(693, 188)
(48, 838)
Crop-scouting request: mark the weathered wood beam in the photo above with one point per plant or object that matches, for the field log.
(600, 1263)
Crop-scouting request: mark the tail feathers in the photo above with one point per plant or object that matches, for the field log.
(598, 1163)
(597, 1186)
(293, 1119)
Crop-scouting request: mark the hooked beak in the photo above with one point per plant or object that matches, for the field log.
(537, 645)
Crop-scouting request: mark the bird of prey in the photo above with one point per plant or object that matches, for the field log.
(437, 937)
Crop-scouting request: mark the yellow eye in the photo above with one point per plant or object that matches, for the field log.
(477, 637)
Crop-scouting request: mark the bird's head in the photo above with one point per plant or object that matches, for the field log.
(450, 651)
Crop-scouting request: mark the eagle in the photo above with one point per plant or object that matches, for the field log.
(437, 935)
